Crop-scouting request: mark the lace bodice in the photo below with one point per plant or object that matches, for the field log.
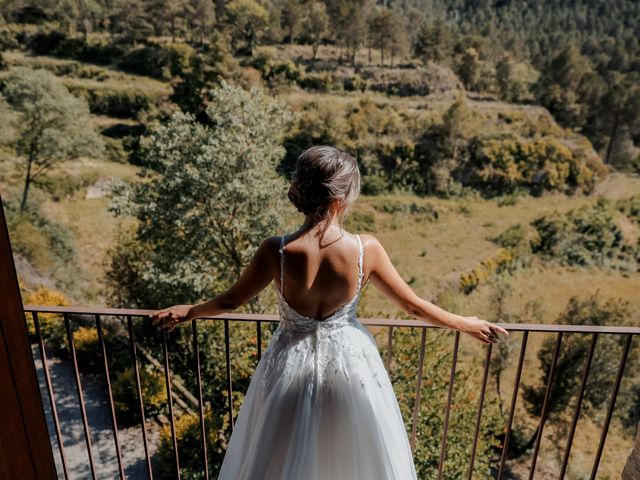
(292, 320)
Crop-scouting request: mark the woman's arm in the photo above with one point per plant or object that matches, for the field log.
(253, 279)
(386, 278)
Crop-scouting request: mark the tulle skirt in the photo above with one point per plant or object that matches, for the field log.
(320, 406)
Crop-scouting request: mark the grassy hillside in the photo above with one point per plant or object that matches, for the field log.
(431, 240)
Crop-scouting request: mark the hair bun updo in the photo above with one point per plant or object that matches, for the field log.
(324, 174)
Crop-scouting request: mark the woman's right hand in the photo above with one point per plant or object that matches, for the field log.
(481, 330)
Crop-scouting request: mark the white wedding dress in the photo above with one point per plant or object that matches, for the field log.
(320, 405)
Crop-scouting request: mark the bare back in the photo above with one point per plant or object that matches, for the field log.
(320, 279)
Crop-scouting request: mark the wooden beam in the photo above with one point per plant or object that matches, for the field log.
(25, 447)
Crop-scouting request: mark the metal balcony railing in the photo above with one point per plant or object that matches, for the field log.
(129, 314)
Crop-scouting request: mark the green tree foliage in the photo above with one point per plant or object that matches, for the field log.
(52, 125)
(248, 21)
(592, 310)
(430, 419)
(469, 68)
(316, 25)
(503, 165)
(388, 31)
(433, 41)
(209, 196)
(587, 235)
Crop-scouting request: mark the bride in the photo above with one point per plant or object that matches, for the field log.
(320, 405)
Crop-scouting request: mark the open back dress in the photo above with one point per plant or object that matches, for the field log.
(320, 405)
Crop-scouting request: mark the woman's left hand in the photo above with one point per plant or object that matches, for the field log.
(169, 318)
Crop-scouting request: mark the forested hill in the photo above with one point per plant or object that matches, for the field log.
(606, 30)
(587, 52)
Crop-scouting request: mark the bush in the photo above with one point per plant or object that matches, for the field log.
(114, 102)
(187, 428)
(102, 51)
(44, 243)
(88, 351)
(52, 326)
(361, 221)
(375, 184)
(60, 187)
(503, 259)
(158, 61)
(587, 235)
(630, 207)
(125, 394)
(500, 166)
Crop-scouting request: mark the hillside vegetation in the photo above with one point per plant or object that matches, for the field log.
(498, 143)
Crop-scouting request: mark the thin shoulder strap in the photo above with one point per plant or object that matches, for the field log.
(360, 258)
(281, 250)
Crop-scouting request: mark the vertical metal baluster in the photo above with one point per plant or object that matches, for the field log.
(479, 416)
(416, 406)
(543, 414)
(203, 434)
(445, 428)
(514, 396)
(229, 384)
(83, 412)
(576, 412)
(52, 402)
(259, 337)
(114, 422)
(136, 370)
(167, 379)
(389, 348)
(612, 403)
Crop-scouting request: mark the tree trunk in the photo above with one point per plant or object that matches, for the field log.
(632, 468)
(27, 182)
(612, 138)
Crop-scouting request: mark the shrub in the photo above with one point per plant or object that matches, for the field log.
(51, 324)
(375, 184)
(630, 207)
(125, 394)
(88, 350)
(60, 187)
(503, 259)
(361, 221)
(187, 428)
(502, 165)
(587, 235)
(114, 102)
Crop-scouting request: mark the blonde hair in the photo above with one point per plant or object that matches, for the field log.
(324, 174)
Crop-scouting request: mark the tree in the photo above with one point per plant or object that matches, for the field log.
(132, 20)
(469, 68)
(619, 108)
(348, 25)
(558, 87)
(201, 18)
(573, 352)
(209, 196)
(454, 124)
(386, 28)
(316, 25)
(53, 125)
(292, 15)
(432, 41)
(248, 21)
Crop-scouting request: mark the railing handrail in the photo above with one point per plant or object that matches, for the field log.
(383, 322)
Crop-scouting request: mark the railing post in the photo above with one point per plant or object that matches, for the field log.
(25, 447)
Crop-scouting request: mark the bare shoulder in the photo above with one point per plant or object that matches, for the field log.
(268, 249)
(373, 249)
(370, 242)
